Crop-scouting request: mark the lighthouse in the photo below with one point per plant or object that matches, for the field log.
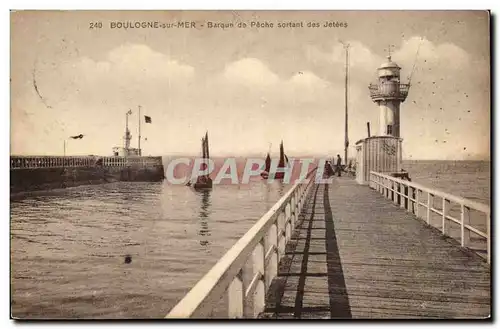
(383, 152)
(389, 93)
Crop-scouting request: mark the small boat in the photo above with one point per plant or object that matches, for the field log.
(203, 181)
(283, 162)
(265, 173)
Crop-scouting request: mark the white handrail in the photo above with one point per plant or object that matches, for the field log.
(227, 273)
(386, 184)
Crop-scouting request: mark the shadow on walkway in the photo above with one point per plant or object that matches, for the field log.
(310, 281)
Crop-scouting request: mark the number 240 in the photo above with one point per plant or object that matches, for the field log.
(95, 25)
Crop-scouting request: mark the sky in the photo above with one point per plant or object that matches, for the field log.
(248, 87)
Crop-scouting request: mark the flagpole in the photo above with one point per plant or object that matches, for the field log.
(64, 147)
(125, 146)
(140, 131)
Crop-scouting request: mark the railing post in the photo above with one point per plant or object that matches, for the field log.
(293, 210)
(464, 220)
(446, 206)
(297, 203)
(409, 197)
(402, 191)
(386, 186)
(272, 270)
(288, 230)
(401, 195)
(281, 241)
(395, 191)
(259, 297)
(302, 201)
(417, 201)
(429, 205)
(236, 297)
(394, 194)
(389, 186)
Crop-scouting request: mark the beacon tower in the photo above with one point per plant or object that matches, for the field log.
(389, 93)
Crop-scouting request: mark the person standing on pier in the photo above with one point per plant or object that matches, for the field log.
(338, 167)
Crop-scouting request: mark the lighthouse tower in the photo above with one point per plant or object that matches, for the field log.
(389, 93)
(383, 153)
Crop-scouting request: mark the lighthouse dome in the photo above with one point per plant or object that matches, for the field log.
(389, 68)
(389, 64)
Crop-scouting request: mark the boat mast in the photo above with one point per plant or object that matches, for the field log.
(346, 47)
(139, 144)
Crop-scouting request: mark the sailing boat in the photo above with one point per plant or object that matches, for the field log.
(265, 173)
(283, 162)
(204, 181)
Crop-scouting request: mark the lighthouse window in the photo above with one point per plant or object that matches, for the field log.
(389, 129)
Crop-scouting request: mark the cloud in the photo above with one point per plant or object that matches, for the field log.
(307, 79)
(136, 60)
(91, 97)
(360, 56)
(251, 72)
(446, 56)
(449, 95)
(248, 103)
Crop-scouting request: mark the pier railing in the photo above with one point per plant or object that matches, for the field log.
(263, 245)
(34, 162)
(413, 197)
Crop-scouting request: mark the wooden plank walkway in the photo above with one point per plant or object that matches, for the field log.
(358, 255)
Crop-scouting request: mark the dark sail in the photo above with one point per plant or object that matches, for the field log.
(204, 181)
(204, 155)
(268, 163)
(207, 153)
(281, 164)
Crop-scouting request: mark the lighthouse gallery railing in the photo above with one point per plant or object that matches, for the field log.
(264, 244)
(394, 89)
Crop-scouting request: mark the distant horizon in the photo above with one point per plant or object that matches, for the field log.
(255, 155)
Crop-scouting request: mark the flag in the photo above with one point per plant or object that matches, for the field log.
(77, 136)
(148, 119)
(129, 112)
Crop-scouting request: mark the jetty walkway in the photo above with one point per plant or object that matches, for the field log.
(354, 251)
(357, 255)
